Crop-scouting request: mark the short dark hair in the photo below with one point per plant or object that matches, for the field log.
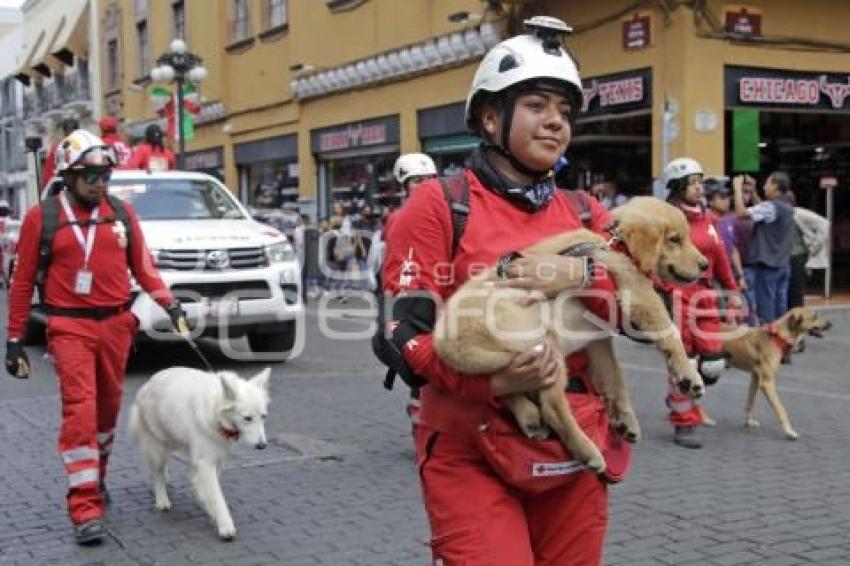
(677, 189)
(69, 125)
(782, 180)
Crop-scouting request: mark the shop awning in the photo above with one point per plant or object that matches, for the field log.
(54, 37)
(33, 44)
(72, 32)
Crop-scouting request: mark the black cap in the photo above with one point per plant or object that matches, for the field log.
(714, 186)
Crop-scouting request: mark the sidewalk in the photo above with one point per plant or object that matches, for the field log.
(840, 299)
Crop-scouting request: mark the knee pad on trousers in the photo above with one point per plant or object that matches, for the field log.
(711, 367)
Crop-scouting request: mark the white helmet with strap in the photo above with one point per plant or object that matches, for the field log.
(534, 61)
(680, 168)
(534, 55)
(413, 165)
(83, 149)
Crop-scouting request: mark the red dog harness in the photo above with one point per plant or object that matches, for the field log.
(783, 344)
(228, 433)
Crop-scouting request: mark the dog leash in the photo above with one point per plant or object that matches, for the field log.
(188, 338)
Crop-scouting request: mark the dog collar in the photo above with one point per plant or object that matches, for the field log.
(228, 433)
(781, 342)
(616, 244)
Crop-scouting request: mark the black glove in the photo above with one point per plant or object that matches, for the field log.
(178, 318)
(17, 362)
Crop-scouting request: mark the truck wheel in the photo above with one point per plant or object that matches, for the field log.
(276, 339)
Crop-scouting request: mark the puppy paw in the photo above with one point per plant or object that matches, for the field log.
(691, 388)
(163, 504)
(790, 434)
(530, 422)
(627, 425)
(537, 431)
(753, 423)
(227, 533)
(596, 465)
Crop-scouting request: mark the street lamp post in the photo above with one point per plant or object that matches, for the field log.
(179, 65)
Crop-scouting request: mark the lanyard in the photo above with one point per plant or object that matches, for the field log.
(86, 244)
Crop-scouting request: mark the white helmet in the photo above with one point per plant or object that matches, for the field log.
(681, 167)
(83, 148)
(534, 55)
(413, 165)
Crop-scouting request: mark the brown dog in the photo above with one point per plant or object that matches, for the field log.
(485, 323)
(759, 350)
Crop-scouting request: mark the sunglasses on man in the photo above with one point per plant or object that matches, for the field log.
(91, 175)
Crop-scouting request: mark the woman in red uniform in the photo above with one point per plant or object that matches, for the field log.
(523, 99)
(694, 306)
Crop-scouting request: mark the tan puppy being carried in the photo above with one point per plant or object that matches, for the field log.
(485, 323)
(759, 350)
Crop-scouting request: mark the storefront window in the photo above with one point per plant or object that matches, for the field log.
(272, 184)
(357, 181)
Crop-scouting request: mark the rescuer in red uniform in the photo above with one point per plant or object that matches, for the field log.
(90, 328)
(152, 153)
(524, 97)
(695, 306)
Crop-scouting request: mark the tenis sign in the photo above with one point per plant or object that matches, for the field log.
(786, 89)
(622, 92)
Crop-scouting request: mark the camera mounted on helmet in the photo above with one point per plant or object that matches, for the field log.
(550, 31)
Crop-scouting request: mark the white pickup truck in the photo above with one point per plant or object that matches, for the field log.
(235, 276)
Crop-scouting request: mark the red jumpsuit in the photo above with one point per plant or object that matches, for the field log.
(695, 310)
(152, 158)
(476, 518)
(90, 355)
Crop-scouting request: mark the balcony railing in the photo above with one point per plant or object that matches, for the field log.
(76, 89)
(34, 106)
(9, 108)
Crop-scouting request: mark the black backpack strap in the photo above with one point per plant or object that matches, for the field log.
(456, 192)
(580, 201)
(49, 227)
(416, 315)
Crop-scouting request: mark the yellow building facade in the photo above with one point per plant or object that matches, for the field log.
(314, 99)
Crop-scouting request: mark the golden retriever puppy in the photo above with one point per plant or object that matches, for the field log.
(485, 323)
(759, 350)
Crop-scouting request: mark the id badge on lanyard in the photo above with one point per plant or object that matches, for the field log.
(84, 278)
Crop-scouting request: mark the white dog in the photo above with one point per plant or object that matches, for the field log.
(200, 415)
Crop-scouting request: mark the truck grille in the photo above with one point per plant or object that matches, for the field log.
(245, 290)
(212, 260)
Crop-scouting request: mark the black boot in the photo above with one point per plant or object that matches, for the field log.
(89, 533)
(687, 436)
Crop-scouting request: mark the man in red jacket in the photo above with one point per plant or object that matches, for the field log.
(90, 328)
(152, 153)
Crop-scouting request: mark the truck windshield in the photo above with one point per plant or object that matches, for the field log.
(176, 199)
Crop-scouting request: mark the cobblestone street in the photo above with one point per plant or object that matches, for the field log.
(337, 484)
